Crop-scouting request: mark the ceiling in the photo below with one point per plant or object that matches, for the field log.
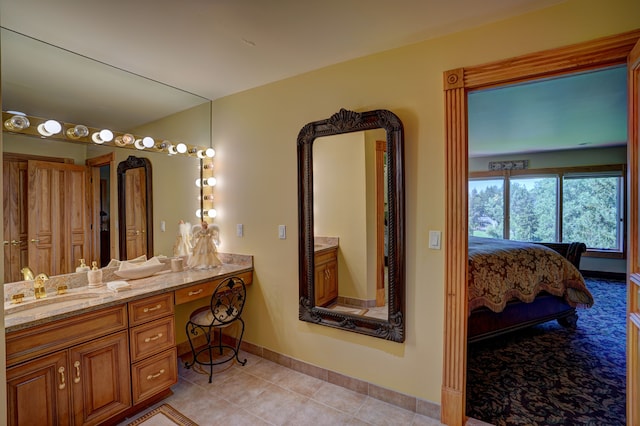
(214, 48)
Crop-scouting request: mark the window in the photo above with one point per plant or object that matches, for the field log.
(552, 205)
(486, 211)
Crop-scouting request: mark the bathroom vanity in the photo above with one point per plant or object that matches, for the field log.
(326, 274)
(86, 360)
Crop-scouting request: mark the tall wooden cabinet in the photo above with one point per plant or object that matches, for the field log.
(46, 209)
(15, 204)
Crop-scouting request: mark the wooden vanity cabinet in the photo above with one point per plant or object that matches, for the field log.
(326, 276)
(73, 371)
(154, 361)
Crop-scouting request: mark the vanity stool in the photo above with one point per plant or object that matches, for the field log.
(225, 308)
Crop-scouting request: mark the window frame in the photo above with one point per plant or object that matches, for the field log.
(559, 173)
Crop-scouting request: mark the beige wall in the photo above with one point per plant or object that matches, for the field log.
(255, 132)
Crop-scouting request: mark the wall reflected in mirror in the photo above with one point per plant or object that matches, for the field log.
(350, 203)
(76, 89)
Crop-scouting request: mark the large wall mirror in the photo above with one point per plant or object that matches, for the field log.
(75, 89)
(351, 223)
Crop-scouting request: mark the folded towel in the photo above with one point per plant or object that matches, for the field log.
(118, 286)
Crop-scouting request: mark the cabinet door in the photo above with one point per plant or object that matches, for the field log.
(15, 219)
(331, 280)
(38, 392)
(58, 228)
(100, 379)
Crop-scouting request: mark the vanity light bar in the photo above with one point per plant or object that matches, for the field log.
(48, 129)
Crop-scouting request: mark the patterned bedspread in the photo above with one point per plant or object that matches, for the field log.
(501, 270)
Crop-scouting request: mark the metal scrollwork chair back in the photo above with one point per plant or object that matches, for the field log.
(225, 308)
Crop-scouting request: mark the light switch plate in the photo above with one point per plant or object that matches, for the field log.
(239, 230)
(434, 239)
(282, 232)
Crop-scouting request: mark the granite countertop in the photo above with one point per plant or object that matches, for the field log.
(324, 243)
(80, 299)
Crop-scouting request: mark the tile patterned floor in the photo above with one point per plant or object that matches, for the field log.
(265, 393)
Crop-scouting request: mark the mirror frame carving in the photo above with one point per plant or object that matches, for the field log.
(133, 163)
(346, 121)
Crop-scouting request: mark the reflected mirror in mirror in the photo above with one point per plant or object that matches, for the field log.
(351, 221)
(67, 90)
(135, 211)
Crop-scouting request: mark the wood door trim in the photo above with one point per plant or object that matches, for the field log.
(593, 54)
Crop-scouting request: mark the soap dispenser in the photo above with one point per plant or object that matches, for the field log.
(94, 275)
(83, 267)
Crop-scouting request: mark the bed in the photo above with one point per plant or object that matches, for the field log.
(513, 285)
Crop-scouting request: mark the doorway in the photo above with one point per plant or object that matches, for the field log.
(457, 83)
(103, 205)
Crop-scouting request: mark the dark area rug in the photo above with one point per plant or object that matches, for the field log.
(550, 375)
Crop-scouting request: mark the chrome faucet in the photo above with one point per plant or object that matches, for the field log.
(38, 286)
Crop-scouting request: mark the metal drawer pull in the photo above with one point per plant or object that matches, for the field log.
(35, 240)
(156, 337)
(62, 383)
(193, 293)
(155, 376)
(155, 308)
(77, 366)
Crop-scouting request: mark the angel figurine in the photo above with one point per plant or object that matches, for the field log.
(205, 251)
(183, 246)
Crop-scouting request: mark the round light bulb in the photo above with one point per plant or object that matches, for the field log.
(172, 150)
(148, 142)
(198, 213)
(212, 213)
(198, 183)
(212, 181)
(104, 135)
(201, 154)
(17, 122)
(78, 131)
(138, 144)
(181, 148)
(210, 152)
(52, 127)
(49, 128)
(128, 139)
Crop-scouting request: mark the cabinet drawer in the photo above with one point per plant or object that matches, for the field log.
(206, 289)
(325, 256)
(42, 339)
(151, 308)
(151, 338)
(153, 375)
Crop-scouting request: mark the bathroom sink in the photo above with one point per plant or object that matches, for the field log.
(49, 303)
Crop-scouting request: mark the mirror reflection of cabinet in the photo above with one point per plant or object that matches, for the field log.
(15, 218)
(326, 276)
(46, 211)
